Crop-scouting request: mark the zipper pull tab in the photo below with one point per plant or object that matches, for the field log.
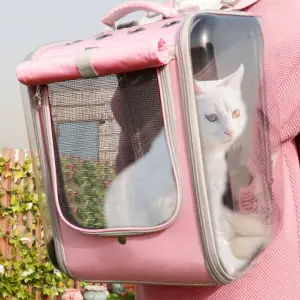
(38, 97)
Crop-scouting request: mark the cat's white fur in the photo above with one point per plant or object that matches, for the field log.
(145, 194)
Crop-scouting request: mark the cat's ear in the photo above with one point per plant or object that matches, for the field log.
(235, 79)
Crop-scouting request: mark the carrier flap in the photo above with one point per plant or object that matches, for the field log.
(66, 62)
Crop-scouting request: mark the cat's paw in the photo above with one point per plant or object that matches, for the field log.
(246, 248)
(243, 224)
(228, 230)
(246, 233)
(249, 225)
(250, 236)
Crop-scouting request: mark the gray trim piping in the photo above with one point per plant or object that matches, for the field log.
(84, 64)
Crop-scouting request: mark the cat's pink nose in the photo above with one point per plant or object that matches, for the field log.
(229, 133)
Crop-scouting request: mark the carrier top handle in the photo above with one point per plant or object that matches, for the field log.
(122, 10)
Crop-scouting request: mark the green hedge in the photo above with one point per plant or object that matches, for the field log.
(28, 264)
(85, 183)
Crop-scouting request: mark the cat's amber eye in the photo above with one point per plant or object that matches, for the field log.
(211, 118)
(236, 113)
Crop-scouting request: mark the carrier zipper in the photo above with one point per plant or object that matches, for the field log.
(38, 97)
(187, 86)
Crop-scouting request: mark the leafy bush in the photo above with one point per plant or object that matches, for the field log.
(85, 183)
(27, 264)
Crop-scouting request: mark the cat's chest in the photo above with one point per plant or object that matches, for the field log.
(216, 173)
(216, 169)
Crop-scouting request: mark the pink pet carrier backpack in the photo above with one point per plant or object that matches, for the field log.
(95, 110)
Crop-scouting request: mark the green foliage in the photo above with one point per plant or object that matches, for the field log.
(85, 183)
(28, 264)
(117, 297)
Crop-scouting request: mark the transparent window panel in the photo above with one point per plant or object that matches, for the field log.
(109, 137)
(227, 59)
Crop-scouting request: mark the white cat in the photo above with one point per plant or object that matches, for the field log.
(222, 118)
(145, 194)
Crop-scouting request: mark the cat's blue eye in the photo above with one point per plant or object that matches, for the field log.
(212, 117)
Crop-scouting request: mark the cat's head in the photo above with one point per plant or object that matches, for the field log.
(221, 110)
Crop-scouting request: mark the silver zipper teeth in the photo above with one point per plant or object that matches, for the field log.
(183, 52)
(38, 97)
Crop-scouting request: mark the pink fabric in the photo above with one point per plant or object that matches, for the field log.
(128, 7)
(276, 275)
(256, 197)
(152, 53)
(57, 62)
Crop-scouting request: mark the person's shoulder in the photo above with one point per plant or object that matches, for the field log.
(281, 34)
(280, 18)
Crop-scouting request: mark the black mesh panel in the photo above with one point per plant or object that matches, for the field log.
(100, 126)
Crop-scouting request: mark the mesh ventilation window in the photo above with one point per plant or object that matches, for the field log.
(100, 126)
(87, 147)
